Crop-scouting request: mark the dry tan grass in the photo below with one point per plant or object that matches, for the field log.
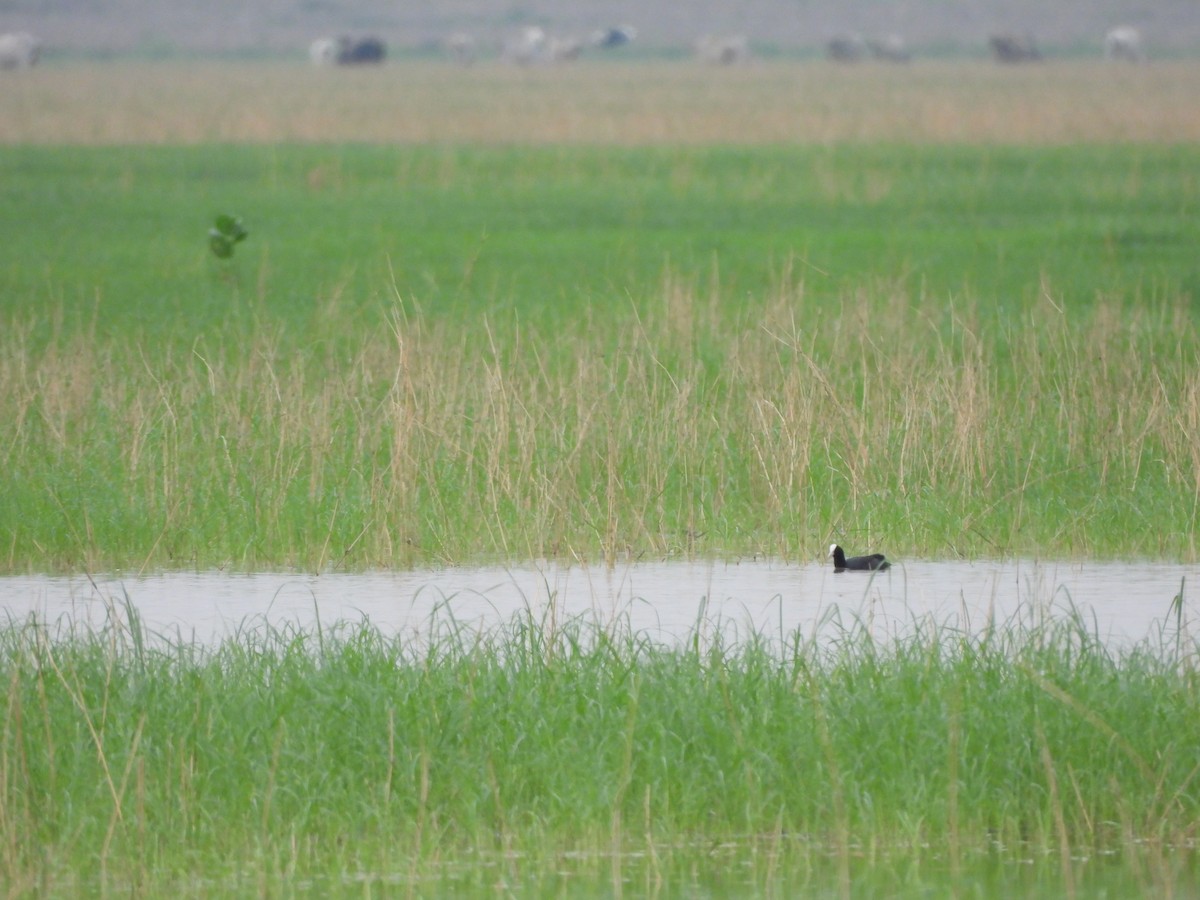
(616, 437)
(634, 104)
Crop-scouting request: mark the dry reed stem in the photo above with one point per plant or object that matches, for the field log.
(637, 104)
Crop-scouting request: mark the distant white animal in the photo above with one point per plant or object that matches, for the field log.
(723, 51)
(889, 48)
(19, 50)
(461, 48)
(1123, 43)
(527, 47)
(846, 48)
(323, 52)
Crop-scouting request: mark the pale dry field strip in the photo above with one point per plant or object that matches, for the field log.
(602, 103)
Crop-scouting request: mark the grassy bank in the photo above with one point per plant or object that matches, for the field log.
(434, 355)
(555, 758)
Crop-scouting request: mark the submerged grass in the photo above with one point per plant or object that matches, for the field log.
(539, 755)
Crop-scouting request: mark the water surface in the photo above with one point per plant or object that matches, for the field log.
(668, 601)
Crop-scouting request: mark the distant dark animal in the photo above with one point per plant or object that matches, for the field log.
(875, 562)
(360, 51)
(1123, 43)
(846, 48)
(1014, 48)
(347, 51)
(616, 36)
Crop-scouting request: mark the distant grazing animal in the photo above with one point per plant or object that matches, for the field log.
(846, 48)
(889, 48)
(533, 46)
(19, 50)
(460, 47)
(527, 47)
(615, 36)
(875, 562)
(1014, 48)
(346, 51)
(360, 51)
(323, 52)
(1123, 43)
(564, 49)
(723, 51)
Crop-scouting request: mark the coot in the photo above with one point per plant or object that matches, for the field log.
(875, 562)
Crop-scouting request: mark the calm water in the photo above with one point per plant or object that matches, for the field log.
(1125, 602)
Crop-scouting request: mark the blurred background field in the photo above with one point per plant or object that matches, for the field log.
(173, 28)
(634, 104)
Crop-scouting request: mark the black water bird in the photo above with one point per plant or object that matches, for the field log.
(875, 562)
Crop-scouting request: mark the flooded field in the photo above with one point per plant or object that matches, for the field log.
(548, 758)
(667, 601)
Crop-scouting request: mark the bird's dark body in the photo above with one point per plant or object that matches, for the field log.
(874, 562)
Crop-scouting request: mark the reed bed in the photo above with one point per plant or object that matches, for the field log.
(673, 427)
(580, 755)
(636, 104)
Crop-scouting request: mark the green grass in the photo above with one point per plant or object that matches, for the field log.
(541, 230)
(578, 756)
(430, 354)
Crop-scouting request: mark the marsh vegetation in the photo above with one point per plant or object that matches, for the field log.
(434, 355)
(505, 316)
(575, 757)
